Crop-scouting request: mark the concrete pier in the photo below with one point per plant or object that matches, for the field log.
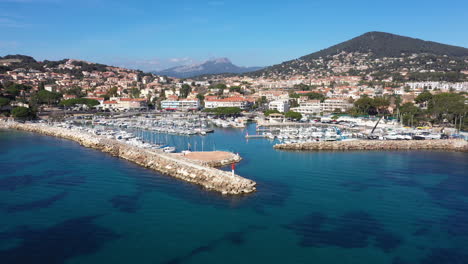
(212, 158)
(437, 144)
(172, 165)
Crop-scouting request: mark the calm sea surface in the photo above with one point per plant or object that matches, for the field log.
(63, 203)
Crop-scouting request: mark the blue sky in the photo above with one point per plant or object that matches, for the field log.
(157, 34)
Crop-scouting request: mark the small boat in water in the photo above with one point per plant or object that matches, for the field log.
(169, 149)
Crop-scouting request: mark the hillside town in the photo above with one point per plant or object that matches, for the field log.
(115, 89)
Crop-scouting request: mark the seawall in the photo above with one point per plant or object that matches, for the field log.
(438, 144)
(172, 165)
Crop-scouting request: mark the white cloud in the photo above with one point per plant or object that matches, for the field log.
(181, 60)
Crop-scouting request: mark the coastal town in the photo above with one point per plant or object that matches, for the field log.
(118, 89)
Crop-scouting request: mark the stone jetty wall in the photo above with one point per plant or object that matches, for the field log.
(438, 144)
(178, 167)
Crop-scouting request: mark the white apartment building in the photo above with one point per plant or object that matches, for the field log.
(444, 86)
(182, 104)
(310, 107)
(329, 105)
(281, 105)
(125, 104)
(313, 107)
(240, 102)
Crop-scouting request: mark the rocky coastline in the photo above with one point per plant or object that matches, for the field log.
(202, 174)
(438, 144)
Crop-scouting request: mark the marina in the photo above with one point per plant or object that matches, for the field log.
(145, 155)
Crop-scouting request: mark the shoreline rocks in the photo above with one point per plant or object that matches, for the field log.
(177, 167)
(375, 145)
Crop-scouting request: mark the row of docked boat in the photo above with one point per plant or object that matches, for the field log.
(409, 135)
(121, 135)
(309, 134)
(232, 122)
(185, 127)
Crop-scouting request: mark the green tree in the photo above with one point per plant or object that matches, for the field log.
(4, 101)
(364, 105)
(235, 89)
(22, 113)
(293, 115)
(135, 92)
(16, 88)
(449, 106)
(79, 101)
(112, 92)
(185, 90)
(220, 86)
(269, 112)
(46, 97)
(201, 98)
(75, 90)
(410, 114)
(381, 104)
(225, 111)
(423, 97)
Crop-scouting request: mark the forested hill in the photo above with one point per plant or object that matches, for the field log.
(73, 67)
(374, 53)
(382, 44)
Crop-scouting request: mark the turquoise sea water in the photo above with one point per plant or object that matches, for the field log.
(63, 203)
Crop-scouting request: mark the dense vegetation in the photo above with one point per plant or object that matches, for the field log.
(311, 96)
(79, 101)
(293, 115)
(269, 112)
(441, 109)
(22, 113)
(225, 111)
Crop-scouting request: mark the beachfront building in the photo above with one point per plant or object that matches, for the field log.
(276, 118)
(281, 106)
(125, 104)
(309, 107)
(132, 103)
(180, 104)
(239, 102)
(331, 104)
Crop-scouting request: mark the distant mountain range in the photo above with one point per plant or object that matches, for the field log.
(215, 66)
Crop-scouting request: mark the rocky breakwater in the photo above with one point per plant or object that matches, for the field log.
(178, 167)
(439, 144)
